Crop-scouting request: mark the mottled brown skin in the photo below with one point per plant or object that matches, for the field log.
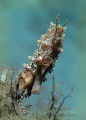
(50, 47)
(28, 79)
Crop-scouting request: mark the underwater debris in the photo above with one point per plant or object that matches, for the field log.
(4, 77)
(10, 107)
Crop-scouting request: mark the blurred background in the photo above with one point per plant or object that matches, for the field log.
(22, 22)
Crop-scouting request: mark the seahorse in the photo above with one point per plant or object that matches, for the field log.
(50, 46)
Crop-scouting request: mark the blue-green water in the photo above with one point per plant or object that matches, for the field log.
(23, 21)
